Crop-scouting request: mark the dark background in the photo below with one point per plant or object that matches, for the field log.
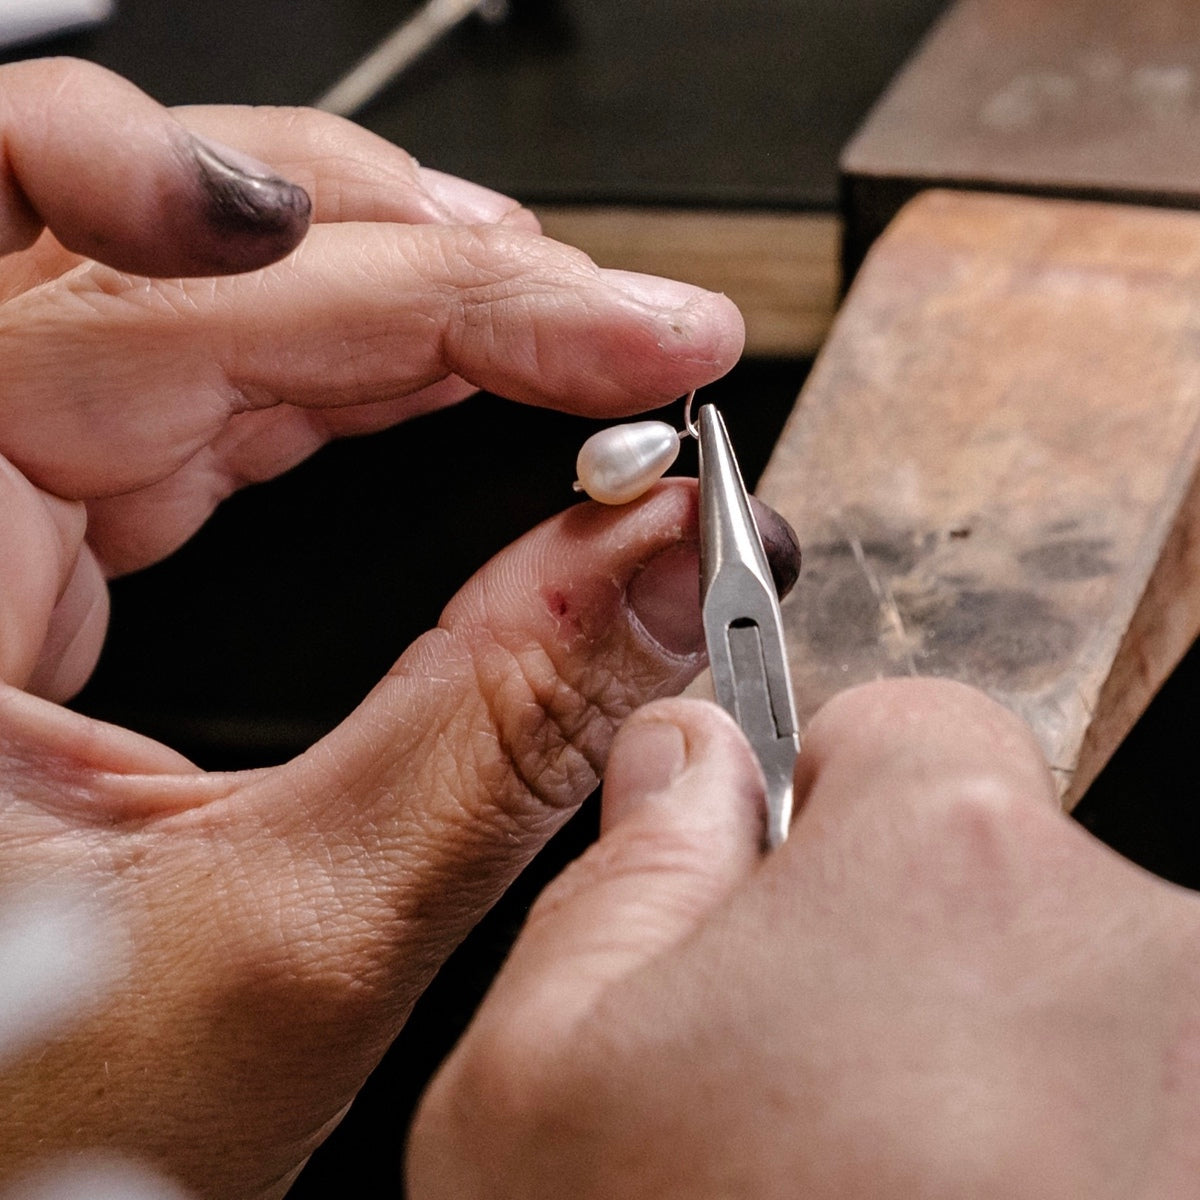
(268, 627)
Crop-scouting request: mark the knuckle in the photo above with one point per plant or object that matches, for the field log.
(501, 291)
(545, 700)
(979, 852)
(549, 736)
(976, 806)
(494, 264)
(498, 1075)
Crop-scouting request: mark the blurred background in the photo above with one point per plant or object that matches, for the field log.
(701, 140)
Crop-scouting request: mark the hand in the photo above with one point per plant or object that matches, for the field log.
(939, 986)
(279, 924)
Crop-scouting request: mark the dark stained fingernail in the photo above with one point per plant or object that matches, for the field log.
(781, 544)
(245, 198)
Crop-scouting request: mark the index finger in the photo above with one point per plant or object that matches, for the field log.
(113, 384)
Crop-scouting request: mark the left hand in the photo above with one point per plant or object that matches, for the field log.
(938, 987)
(165, 337)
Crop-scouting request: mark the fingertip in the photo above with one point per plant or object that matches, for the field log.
(780, 544)
(117, 178)
(698, 335)
(648, 754)
(709, 332)
(731, 324)
(250, 216)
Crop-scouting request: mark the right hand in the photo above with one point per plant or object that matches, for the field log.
(939, 987)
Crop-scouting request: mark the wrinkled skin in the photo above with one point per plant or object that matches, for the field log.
(938, 988)
(166, 336)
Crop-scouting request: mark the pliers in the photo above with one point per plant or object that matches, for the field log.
(743, 626)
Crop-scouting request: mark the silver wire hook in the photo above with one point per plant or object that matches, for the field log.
(689, 426)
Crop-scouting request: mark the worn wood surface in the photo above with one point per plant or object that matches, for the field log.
(1082, 98)
(780, 268)
(991, 466)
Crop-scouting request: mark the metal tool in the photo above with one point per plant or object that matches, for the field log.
(400, 49)
(742, 622)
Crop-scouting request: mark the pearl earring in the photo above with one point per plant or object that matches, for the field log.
(621, 462)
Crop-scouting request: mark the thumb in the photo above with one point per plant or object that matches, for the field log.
(115, 177)
(493, 728)
(681, 828)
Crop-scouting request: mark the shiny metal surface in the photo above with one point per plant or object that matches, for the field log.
(742, 623)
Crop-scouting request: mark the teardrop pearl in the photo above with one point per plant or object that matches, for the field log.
(621, 462)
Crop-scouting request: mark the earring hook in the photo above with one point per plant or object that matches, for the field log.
(689, 426)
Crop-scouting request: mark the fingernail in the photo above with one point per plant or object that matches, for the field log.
(647, 757)
(781, 545)
(466, 201)
(653, 290)
(245, 195)
(664, 598)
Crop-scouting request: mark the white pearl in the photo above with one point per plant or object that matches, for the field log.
(619, 463)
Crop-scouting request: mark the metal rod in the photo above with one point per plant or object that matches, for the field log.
(399, 50)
